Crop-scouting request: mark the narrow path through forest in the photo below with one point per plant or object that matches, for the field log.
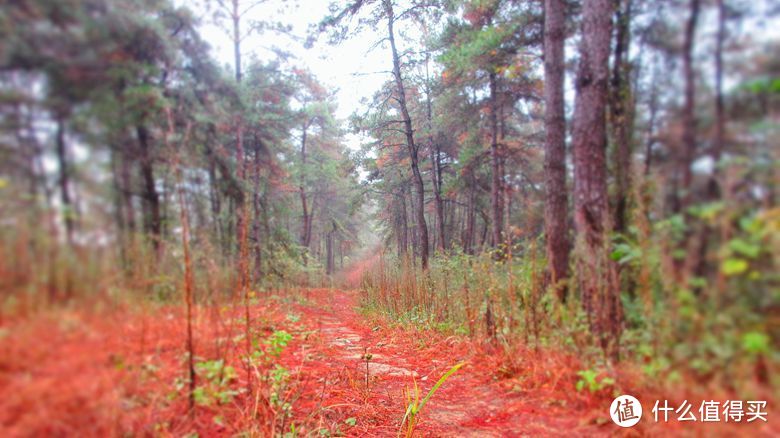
(473, 402)
(83, 373)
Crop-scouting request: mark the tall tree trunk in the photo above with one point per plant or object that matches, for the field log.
(188, 284)
(596, 271)
(682, 196)
(258, 247)
(126, 186)
(621, 113)
(720, 113)
(397, 229)
(650, 134)
(688, 151)
(153, 218)
(329, 259)
(413, 230)
(230, 227)
(439, 204)
(496, 214)
(306, 219)
(696, 262)
(422, 227)
(242, 223)
(468, 241)
(242, 216)
(119, 207)
(64, 181)
(404, 225)
(216, 202)
(555, 212)
(435, 154)
(185, 244)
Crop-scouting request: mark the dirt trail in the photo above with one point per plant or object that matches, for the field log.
(471, 403)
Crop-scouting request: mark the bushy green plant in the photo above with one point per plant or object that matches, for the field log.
(589, 379)
(216, 378)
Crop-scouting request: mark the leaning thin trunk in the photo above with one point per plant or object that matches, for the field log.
(419, 211)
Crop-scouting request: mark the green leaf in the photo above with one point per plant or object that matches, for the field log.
(745, 248)
(698, 282)
(199, 394)
(679, 254)
(755, 342)
(351, 421)
(732, 266)
(708, 211)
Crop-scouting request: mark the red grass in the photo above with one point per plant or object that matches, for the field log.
(87, 374)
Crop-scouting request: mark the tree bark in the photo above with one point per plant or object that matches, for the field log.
(404, 236)
(713, 188)
(650, 134)
(329, 259)
(64, 181)
(496, 213)
(215, 201)
(422, 227)
(120, 215)
(152, 218)
(596, 272)
(258, 247)
(688, 117)
(126, 186)
(435, 154)
(305, 225)
(556, 211)
(621, 114)
(468, 241)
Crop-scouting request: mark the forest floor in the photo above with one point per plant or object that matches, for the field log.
(473, 402)
(109, 371)
(80, 373)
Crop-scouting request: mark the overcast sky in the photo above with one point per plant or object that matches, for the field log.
(349, 69)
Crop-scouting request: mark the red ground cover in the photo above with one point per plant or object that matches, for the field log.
(109, 373)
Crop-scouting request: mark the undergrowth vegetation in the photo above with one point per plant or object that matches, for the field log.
(718, 327)
(237, 385)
